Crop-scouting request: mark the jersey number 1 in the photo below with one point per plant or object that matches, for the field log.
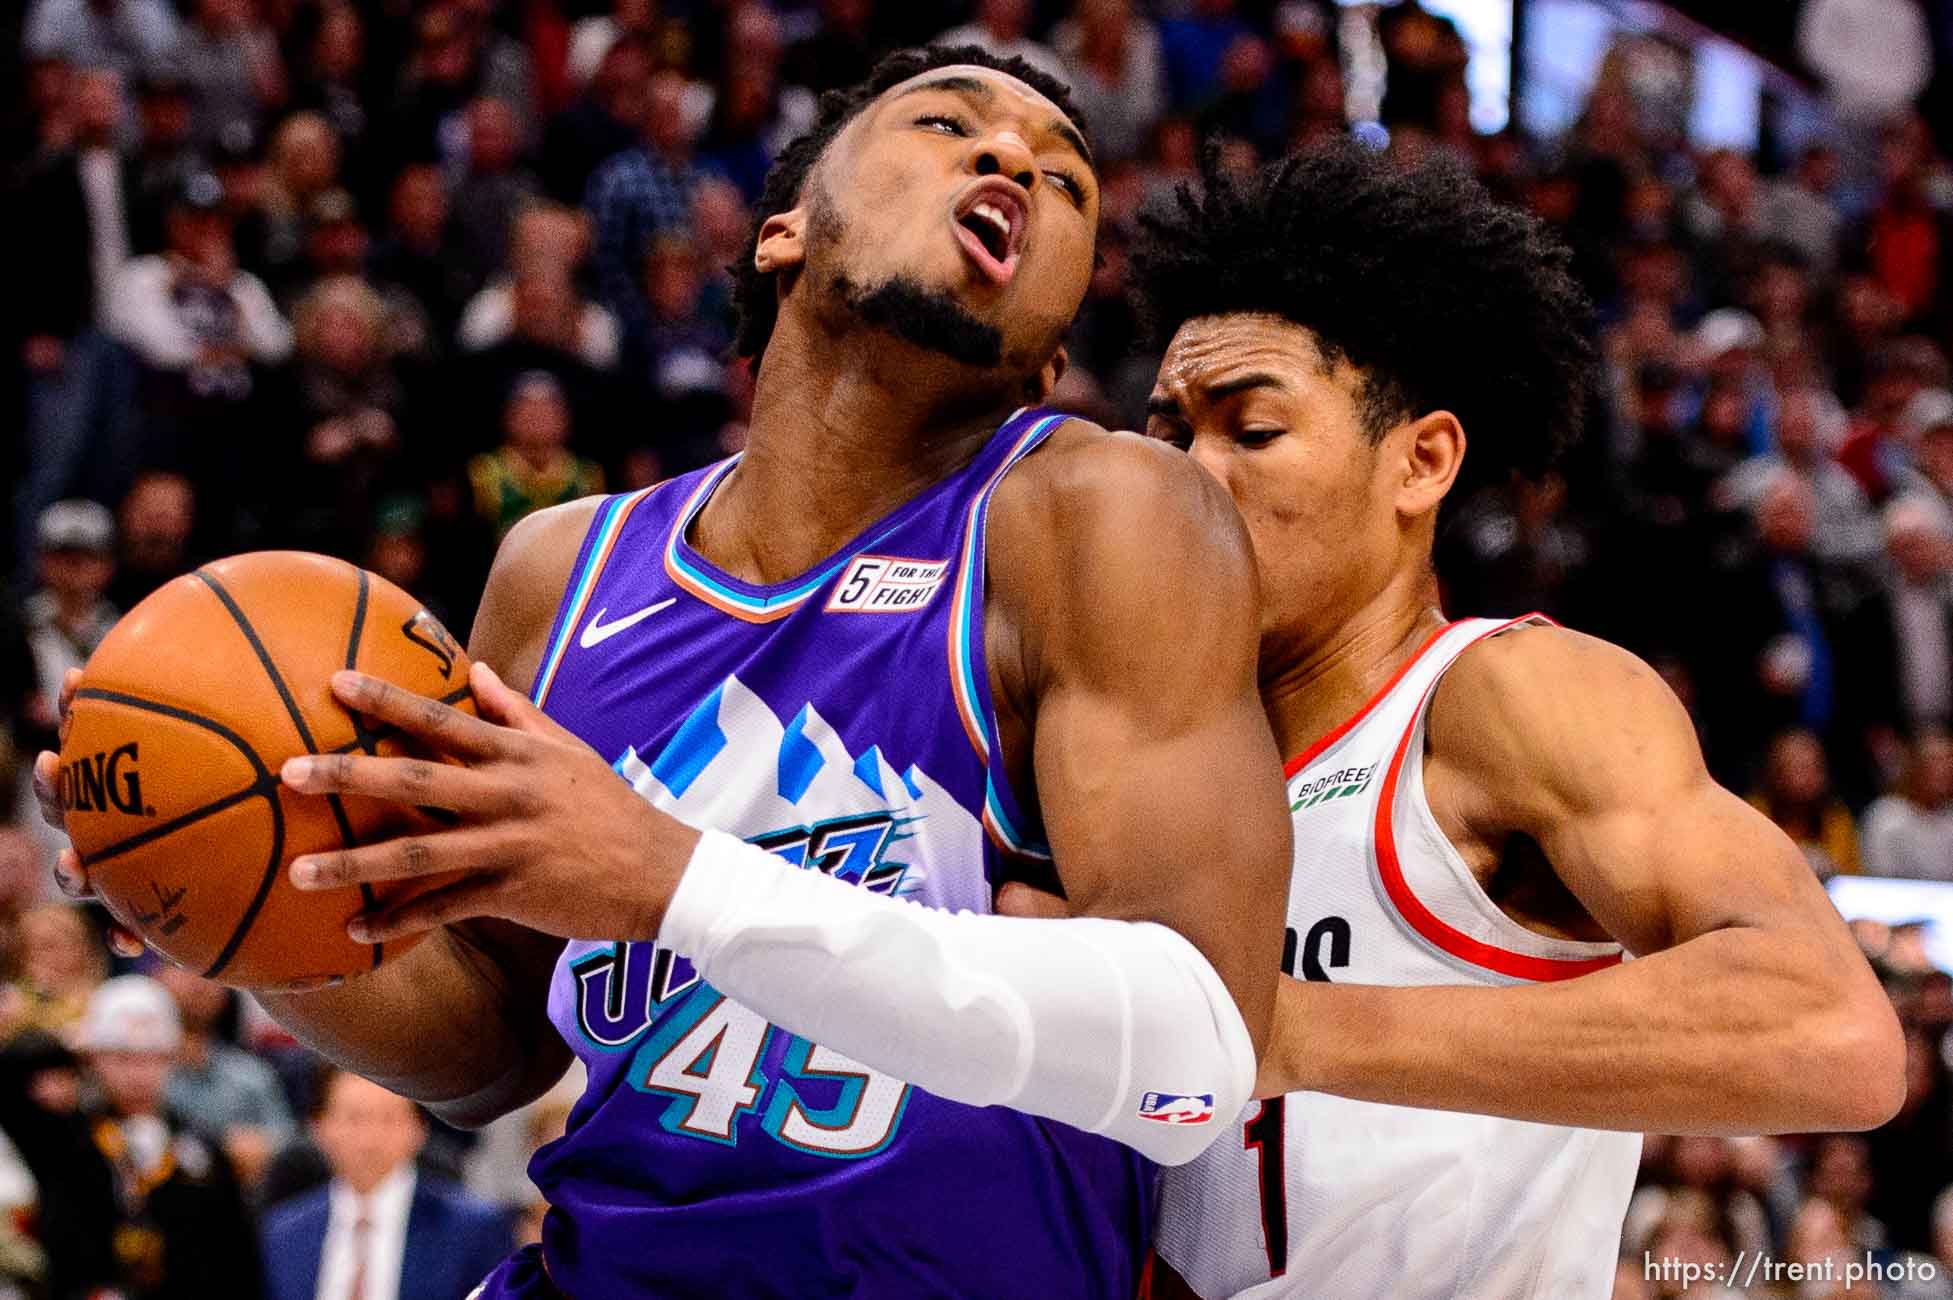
(1265, 1134)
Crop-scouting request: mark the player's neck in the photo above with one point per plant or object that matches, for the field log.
(830, 449)
(1312, 689)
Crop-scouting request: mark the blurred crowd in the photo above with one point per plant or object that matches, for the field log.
(379, 277)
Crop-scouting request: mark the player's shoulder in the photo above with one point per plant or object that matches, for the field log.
(1545, 708)
(1544, 665)
(1092, 495)
(525, 585)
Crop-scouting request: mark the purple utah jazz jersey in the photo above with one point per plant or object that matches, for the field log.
(842, 720)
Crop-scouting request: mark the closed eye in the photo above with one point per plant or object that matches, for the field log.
(1069, 184)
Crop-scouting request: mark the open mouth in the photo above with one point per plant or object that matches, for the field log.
(990, 226)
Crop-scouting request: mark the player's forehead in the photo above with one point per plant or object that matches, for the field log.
(982, 86)
(1211, 356)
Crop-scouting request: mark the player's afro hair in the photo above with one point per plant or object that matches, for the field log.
(1443, 298)
(753, 295)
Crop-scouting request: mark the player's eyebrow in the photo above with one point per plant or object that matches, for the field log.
(1241, 384)
(983, 92)
(1166, 406)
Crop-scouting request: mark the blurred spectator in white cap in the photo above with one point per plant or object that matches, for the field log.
(183, 1229)
(64, 619)
(1909, 832)
(67, 616)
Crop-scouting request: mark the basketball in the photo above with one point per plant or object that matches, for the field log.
(169, 772)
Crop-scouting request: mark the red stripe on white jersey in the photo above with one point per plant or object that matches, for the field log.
(1446, 938)
(1302, 760)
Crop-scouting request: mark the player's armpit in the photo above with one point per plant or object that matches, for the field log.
(1748, 1008)
(1128, 578)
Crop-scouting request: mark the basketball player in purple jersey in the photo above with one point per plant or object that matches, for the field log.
(921, 638)
(1487, 812)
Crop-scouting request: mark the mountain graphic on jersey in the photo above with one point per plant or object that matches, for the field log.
(794, 788)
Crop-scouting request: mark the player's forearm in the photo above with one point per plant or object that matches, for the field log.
(1115, 1027)
(444, 1024)
(1737, 1031)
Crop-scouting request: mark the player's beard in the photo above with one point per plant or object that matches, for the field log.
(902, 305)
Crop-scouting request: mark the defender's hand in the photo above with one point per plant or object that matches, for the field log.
(547, 835)
(69, 875)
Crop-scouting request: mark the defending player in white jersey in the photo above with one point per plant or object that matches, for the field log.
(1483, 811)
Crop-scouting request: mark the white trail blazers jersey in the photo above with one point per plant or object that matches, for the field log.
(1322, 1197)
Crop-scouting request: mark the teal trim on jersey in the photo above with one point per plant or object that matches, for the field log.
(772, 602)
(579, 591)
(837, 1116)
(1017, 840)
(967, 575)
(965, 665)
(762, 604)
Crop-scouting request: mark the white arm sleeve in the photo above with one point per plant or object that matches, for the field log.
(1116, 1027)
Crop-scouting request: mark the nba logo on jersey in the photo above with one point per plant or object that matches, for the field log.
(886, 584)
(1176, 1108)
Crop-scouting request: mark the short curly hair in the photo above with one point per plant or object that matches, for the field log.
(1440, 296)
(754, 298)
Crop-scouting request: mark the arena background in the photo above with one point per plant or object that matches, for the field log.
(377, 277)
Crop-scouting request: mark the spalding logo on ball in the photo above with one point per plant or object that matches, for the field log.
(169, 771)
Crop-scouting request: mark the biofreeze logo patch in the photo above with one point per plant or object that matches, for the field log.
(887, 584)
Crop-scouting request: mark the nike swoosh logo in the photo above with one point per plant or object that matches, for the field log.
(597, 631)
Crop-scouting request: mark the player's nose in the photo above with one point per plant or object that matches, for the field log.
(1005, 153)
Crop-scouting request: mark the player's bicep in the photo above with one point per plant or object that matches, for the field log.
(1604, 771)
(1157, 776)
(1658, 867)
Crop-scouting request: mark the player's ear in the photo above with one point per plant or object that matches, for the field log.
(1047, 378)
(1433, 453)
(782, 241)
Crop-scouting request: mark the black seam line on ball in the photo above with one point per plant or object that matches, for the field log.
(284, 693)
(263, 785)
(266, 780)
(363, 736)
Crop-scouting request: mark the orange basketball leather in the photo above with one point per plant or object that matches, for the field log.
(170, 768)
